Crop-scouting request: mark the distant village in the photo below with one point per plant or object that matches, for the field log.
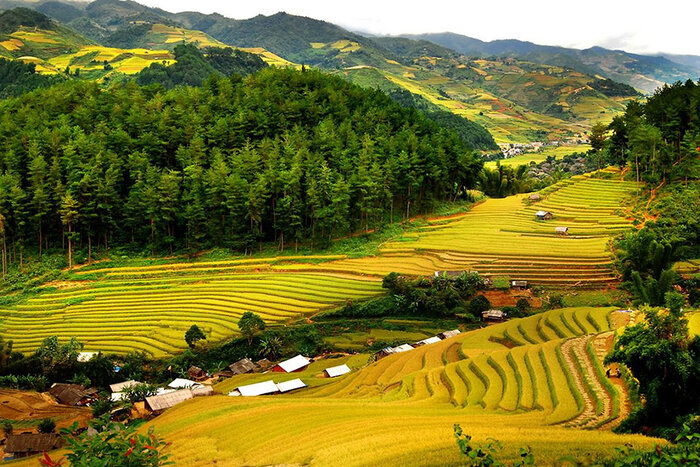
(509, 150)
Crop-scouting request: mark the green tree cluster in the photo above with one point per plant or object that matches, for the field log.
(281, 156)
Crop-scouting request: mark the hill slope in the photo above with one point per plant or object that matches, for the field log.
(641, 71)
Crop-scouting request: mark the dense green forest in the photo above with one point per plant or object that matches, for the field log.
(17, 77)
(280, 156)
(194, 66)
(660, 140)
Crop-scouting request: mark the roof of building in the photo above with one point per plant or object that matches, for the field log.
(263, 364)
(86, 356)
(291, 385)
(403, 348)
(429, 340)
(244, 365)
(535, 196)
(542, 213)
(203, 391)
(167, 400)
(448, 334)
(195, 369)
(120, 387)
(179, 383)
(294, 363)
(493, 314)
(257, 389)
(69, 394)
(32, 442)
(518, 283)
(117, 396)
(561, 229)
(337, 370)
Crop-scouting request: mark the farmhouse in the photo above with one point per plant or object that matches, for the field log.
(429, 340)
(561, 230)
(203, 391)
(242, 366)
(403, 348)
(335, 371)
(72, 394)
(120, 387)
(28, 444)
(384, 352)
(518, 284)
(294, 364)
(196, 373)
(182, 383)
(257, 389)
(544, 215)
(493, 315)
(291, 385)
(264, 364)
(448, 334)
(159, 403)
(450, 274)
(534, 197)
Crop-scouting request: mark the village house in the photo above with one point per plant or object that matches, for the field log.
(257, 389)
(518, 284)
(263, 364)
(544, 215)
(182, 383)
(336, 371)
(493, 315)
(448, 334)
(561, 230)
(534, 197)
(196, 373)
(242, 366)
(72, 394)
(290, 385)
(161, 402)
(123, 386)
(292, 365)
(28, 444)
(429, 340)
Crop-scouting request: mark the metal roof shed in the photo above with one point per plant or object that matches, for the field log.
(120, 387)
(291, 385)
(181, 383)
(165, 401)
(335, 371)
(403, 348)
(429, 340)
(258, 389)
(293, 364)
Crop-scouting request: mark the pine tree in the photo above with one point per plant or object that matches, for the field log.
(69, 216)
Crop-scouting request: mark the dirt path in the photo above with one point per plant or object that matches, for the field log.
(587, 383)
(647, 216)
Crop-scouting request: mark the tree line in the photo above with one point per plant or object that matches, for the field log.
(281, 156)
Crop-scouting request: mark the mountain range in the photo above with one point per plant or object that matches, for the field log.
(519, 91)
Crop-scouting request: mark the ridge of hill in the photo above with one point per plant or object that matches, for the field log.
(510, 99)
(646, 72)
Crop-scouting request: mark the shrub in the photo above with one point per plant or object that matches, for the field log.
(522, 305)
(46, 425)
(478, 305)
(193, 335)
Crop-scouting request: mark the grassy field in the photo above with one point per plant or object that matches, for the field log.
(539, 390)
(524, 159)
(148, 305)
(694, 323)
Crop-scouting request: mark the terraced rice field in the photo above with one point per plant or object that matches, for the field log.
(148, 307)
(536, 381)
(152, 313)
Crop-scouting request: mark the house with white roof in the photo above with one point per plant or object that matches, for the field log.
(297, 363)
(336, 371)
(291, 385)
(257, 389)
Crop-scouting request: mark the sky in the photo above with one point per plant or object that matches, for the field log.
(641, 26)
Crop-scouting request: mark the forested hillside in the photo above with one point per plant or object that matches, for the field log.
(280, 156)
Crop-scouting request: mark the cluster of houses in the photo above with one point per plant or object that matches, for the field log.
(406, 347)
(292, 365)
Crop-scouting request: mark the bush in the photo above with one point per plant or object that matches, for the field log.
(46, 425)
(523, 305)
(478, 305)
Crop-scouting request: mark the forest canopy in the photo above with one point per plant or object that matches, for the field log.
(281, 155)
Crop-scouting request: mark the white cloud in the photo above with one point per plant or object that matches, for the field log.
(641, 26)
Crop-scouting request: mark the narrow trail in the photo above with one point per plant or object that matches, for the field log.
(647, 216)
(602, 344)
